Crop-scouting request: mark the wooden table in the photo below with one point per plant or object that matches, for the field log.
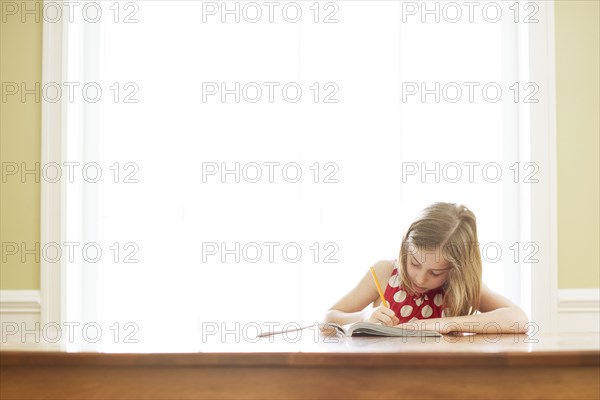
(465, 367)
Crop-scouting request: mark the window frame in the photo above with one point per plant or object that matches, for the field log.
(537, 207)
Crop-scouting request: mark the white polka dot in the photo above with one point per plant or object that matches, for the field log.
(399, 296)
(414, 319)
(394, 281)
(427, 311)
(406, 310)
(419, 301)
(438, 299)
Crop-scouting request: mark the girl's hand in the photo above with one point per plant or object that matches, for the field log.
(440, 325)
(383, 315)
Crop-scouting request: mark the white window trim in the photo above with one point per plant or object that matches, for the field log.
(51, 202)
(541, 229)
(542, 150)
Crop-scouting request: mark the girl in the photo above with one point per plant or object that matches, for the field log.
(436, 282)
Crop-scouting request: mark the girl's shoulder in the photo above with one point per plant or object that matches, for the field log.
(385, 269)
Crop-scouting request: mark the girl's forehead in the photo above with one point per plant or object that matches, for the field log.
(430, 256)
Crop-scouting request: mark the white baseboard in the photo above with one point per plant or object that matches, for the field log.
(578, 310)
(20, 311)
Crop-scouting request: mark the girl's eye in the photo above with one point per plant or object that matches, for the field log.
(435, 274)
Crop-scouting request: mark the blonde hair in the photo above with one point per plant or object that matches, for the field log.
(452, 229)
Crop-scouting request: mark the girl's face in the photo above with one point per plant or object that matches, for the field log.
(427, 269)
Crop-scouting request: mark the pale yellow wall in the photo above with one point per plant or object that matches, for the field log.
(578, 130)
(577, 44)
(20, 127)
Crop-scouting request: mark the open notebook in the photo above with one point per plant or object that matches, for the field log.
(370, 329)
(362, 329)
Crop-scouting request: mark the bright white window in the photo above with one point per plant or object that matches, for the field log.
(371, 147)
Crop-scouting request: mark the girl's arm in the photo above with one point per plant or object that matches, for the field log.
(352, 307)
(498, 315)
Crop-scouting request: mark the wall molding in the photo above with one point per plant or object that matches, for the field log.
(579, 310)
(20, 311)
(20, 301)
(579, 300)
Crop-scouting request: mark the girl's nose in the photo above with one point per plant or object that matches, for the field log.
(420, 280)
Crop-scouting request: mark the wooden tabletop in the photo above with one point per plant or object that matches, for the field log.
(469, 350)
(451, 367)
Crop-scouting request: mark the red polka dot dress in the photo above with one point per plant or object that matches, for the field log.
(411, 308)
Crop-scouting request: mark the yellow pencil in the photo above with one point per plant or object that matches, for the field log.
(385, 304)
